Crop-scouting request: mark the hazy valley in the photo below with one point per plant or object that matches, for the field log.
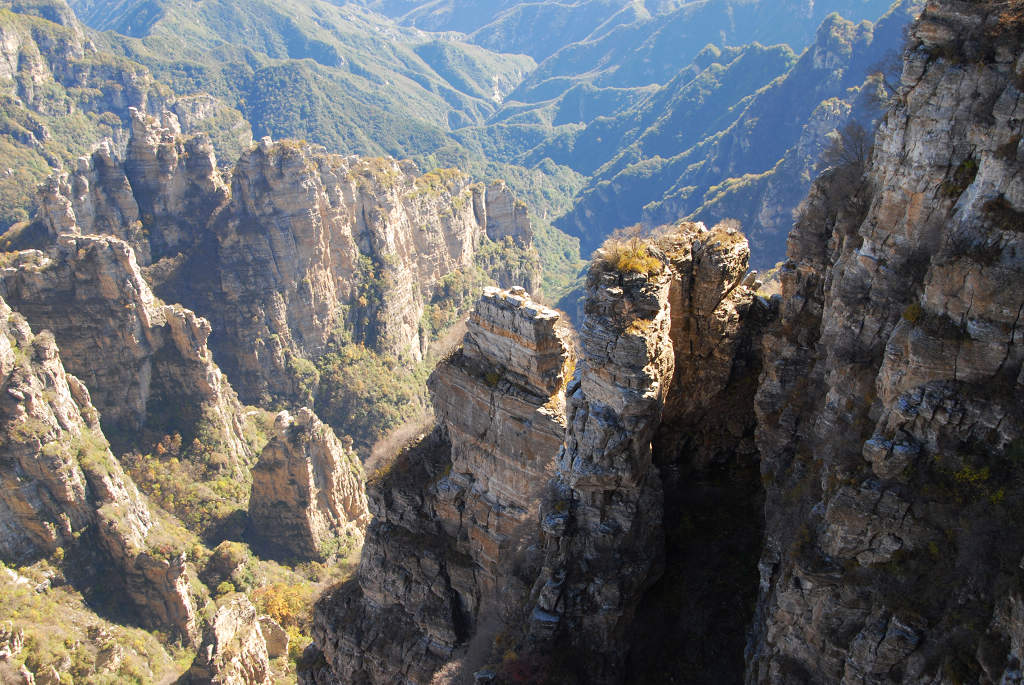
(448, 341)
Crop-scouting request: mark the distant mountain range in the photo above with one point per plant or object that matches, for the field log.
(599, 114)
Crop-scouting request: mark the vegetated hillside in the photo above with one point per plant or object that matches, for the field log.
(293, 68)
(600, 32)
(755, 161)
(588, 106)
(60, 94)
(538, 29)
(326, 280)
(614, 44)
(348, 79)
(355, 81)
(652, 49)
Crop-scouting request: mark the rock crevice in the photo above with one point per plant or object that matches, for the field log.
(448, 555)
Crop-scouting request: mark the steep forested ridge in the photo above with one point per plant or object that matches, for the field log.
(366, 78)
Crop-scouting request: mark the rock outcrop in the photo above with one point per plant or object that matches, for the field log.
(61, 482)
(63, 93)
(12, 641)
(156, 199)
(661, 399)
(311, 243)
(603, 537)
(297, 248)
(535, 510)
(500, 400)
(308, 497)
(889, 414)
(448, 554)
(237, 647)
(146, 363)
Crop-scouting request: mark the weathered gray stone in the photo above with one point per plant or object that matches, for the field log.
(454, 509)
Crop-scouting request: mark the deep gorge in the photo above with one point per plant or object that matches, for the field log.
(694, 481)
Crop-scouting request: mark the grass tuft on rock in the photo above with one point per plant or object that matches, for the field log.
(628, 256)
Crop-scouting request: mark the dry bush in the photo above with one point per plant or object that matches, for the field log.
(630, 256)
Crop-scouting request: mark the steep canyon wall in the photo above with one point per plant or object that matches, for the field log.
(861, 434)
(294, 248)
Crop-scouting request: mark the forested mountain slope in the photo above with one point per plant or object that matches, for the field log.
(354, 80)
(60, 94)
(753, 161)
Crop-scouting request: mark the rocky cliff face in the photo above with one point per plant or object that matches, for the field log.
(310, 244)
(299, 249)
(308, 498)
(500, 400)
(448, 553)
(661, 398)
(889, 420)
(237, 647)
(539, 501)
(606, 547)
(62, 482)
(146, 363)
(155, 198)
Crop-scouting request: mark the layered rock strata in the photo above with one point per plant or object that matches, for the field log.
(889, 414)
(61, 481)
(296, 246)
(521, 541)
(603, 537)
(308, 497)
(707, 460)
(500, 399)
(662, 396)
(154, 198)
(310, 243)
(237, 647)
(448, 554)
(146, 363)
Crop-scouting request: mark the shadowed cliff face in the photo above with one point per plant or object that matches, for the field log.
(691, 626)
(62, 483)
(608, 545)
(539, 501)
(660, 434)
(448, 555)
(889, 414)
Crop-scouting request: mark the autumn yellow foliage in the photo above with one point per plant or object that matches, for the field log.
(629, 256)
